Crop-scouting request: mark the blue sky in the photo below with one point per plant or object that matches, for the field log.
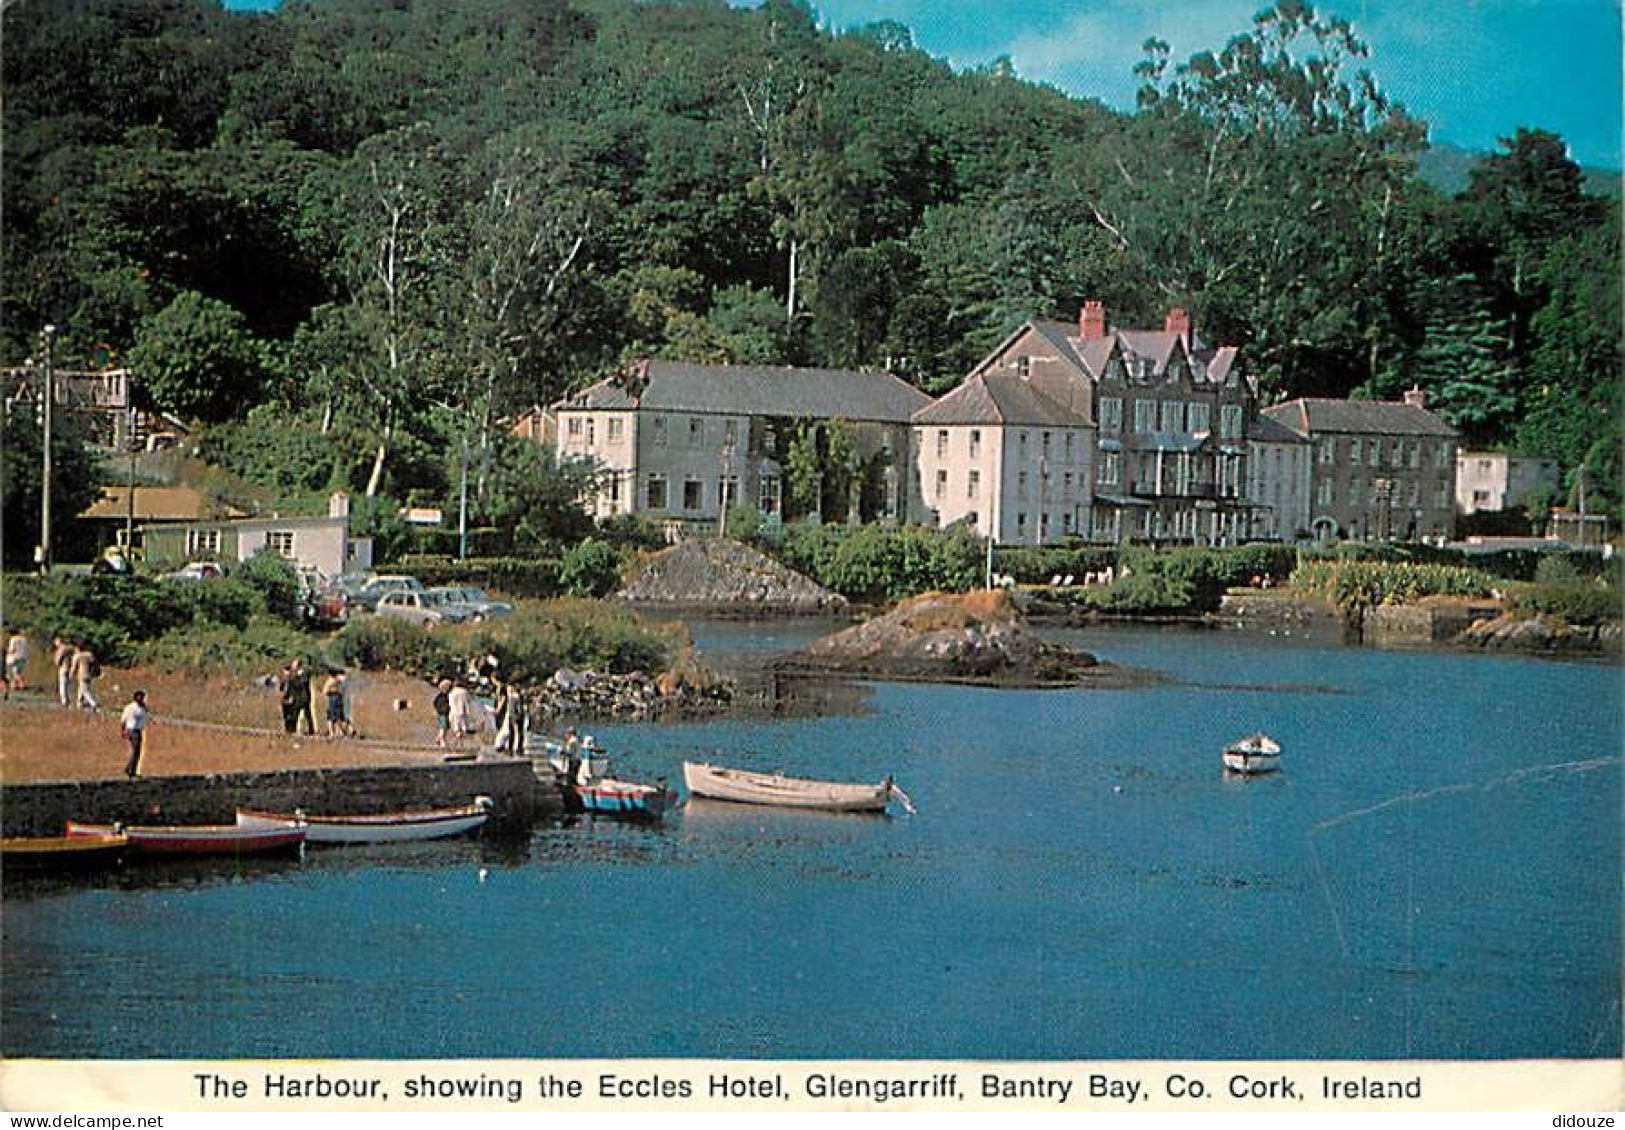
(1475, 70)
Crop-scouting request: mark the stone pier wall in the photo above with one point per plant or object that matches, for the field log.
(518, 797)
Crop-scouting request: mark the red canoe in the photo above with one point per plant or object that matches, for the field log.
(197, 839)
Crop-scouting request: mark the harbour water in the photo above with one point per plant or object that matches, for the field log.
(1435, 873)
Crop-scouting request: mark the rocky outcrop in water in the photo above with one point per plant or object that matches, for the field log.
(1511, 632)
(721, 576)
(970, 637)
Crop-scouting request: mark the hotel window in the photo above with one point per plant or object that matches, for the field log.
(1328, 452)
(1324, 497)
(1441, 456)
(696, 431)
(656, 492)
(202, 541)
(617, 428)
(1396, 454)
(693, 494)
(1021, 443)
(1441, 498)
(1145, 417)
(280, 542)
(1376, 451)
(1021, 523)
(592, 426)
(767, 494)
(973, 484)
(1110, 468)
(730, 432)
(612, 488)
(660, 431)
(1171, 418)
(1111, 414)
(573, 428)
(1415, 459)
(1043, 525)
(942, 485)
(1066, 485)
(1043, 445)
(1230, 421)
(975, 443)
(942, 443)
(1070, 446)
(1021, 484)
(1356, 491)
(1198, 418)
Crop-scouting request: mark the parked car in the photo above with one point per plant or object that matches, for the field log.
(327, 606)
(378, 585)
(420, 608)
(199, 571)
(480, 607)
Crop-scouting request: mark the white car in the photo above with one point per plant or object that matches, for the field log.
(480, 607)
(424, 608)
(377, 587)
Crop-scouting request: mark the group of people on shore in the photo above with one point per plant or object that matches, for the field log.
(453, 709)
(293, 685)
(75, 664)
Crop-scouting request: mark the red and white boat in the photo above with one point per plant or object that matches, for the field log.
(197, 839)
(380, 828)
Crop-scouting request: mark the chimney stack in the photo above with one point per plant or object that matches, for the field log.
(1179, 322)
(338, 505)
(1092, 321)
(1416, 398)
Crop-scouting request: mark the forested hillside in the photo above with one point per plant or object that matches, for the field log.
(354, 236)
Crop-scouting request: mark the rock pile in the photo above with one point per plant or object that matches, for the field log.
(718, 575)
(633, 697)
(975, 637)
(1518, 633)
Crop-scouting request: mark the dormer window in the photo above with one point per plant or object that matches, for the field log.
(1024, 366)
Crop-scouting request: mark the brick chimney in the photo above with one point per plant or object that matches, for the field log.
(1416, 398)
(1179, 322)
(1092, 321)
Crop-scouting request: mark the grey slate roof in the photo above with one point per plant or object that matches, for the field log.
(1311, 416)
(996, 398)
(755, 390)
(1267, 429)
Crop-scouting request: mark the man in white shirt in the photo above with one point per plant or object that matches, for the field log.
(134, 724)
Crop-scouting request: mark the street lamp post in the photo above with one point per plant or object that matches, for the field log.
(44, 551)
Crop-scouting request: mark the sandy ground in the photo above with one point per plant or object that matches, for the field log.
(213, 725)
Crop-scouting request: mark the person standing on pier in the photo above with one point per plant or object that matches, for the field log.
(62, 656)
(16, 660)
(83, 666)
(133, 723)
(457, 699)
(442, 712)
(299, 689)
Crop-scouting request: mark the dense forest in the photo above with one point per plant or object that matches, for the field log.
(351, 239)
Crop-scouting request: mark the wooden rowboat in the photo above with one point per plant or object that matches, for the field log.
(1254, 754)
(42, 852)
(745, 787)
(386, 827)
(197, 839)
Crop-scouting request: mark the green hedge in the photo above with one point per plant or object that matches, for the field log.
(881, 564)
(529, 645)
(510, 576)
(1577, 602)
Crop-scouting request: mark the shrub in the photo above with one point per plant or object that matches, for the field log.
(633, 532)
(1355, 586)
(264, 643)
(590, 568)
(529, 645)
(275, 581)
(1576, 601)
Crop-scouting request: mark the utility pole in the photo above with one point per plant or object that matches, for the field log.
(462, 504)
(44, 551)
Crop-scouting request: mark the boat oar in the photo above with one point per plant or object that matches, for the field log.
(902, 797)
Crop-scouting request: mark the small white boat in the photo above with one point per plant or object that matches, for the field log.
(379, 828)
(746, 787)
(1256, 753)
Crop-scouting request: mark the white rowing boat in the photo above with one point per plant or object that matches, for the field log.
(379, 828)
(1256, 753)
(746, 787)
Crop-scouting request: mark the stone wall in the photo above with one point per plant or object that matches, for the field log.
(518, 797)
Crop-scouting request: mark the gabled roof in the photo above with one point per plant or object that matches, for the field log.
(158, 504)
(1312, 416)
(1266, 429)
(754, 390)
(998, 398)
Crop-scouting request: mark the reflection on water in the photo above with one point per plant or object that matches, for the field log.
(1434, 872)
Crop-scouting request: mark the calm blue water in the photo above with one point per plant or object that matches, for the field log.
(1436, 873)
